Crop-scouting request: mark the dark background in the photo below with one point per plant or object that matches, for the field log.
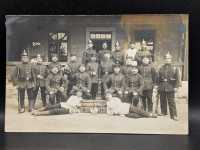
(52, 141)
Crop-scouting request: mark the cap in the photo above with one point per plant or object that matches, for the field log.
(54, 55)
(105, 43)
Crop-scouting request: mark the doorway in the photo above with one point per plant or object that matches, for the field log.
(98, 38)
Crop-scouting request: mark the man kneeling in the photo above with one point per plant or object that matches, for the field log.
(71, 106)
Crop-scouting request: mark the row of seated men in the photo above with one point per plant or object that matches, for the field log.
(99, 74)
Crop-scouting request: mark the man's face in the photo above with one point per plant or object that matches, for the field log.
(117, 48)
(168, 60)
(54, 58)
(117, 70)
(105, 46)
(132, 45)
(145, 60)
(55, 70)
(39, 60)
(107, 55)
(82, 69)
(134, 70)
(79, 94)
(25, 59)
(90, 45)
(73, 58)
(108, 96)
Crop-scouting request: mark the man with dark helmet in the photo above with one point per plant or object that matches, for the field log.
(23, 78)
(40, 72)
(88, 53)
(167, 86)
(117, 82)
(117, 55)
(134, 85)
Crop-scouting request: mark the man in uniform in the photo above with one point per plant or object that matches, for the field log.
(103, 51)
(131, 52)
(23, 78)
(56, 85)
(40, 72)
(143, 52)
(126, 69)
(93, 70)
(106, 68)
(134, 85)
(117, 82)
(54, 63)
(83, 83)
(88, 53)
(70, 70)
(149, 75)
(168, 84)
(117, 55)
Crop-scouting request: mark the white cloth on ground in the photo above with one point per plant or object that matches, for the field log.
(115, 106)
(72, 104)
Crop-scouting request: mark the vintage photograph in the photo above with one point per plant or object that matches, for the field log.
(97, 73)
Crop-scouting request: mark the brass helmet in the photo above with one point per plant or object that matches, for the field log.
(24, 53)
(168, 56)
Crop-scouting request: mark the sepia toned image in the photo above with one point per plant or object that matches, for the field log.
(97, 74)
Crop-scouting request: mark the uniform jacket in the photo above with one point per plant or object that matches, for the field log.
(134, 82)
(73, 69)
(149, 75)
(126, 70)
(118, 57)
(23, 76)
(142, 53)
(117, 81)
(102, 52)
(106, 66)
(88, 54)
(55, 81)
(83, 81)
(40, 72)
(130, 54)
(168, 78)
(93, 71)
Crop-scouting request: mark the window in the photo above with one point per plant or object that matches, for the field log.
(58, 44)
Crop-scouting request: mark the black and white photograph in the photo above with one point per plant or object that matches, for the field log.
(97, 73)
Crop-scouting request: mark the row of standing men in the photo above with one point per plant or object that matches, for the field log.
(130, 76)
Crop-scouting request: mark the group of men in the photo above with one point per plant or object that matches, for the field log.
(128, 76)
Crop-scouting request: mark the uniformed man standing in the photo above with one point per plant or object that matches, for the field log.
(83, 83)
(143, 52)
(71, 69)
(106, 68)
(93, 70)
(168, 84)
(54, 63)
(23, 78)
(56, 85)
(40, 72)
(131, 52)
(149, 75)
(117, 55)
(134, 85)
(117, 81)
(88, 53)
(103, 51)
